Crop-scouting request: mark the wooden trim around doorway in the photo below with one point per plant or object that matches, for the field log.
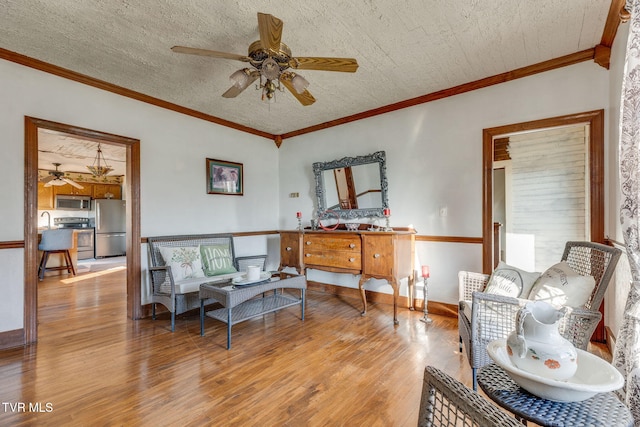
(132, 195)
(595, 119)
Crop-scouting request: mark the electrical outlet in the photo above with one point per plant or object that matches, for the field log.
(294, 195)
(443, 211)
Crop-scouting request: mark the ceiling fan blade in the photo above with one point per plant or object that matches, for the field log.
(57, 182)
(48, 178)
(212, 53)
(346, 65)
(234, 90)
(270, 31)
(73, 183)
(305, 97)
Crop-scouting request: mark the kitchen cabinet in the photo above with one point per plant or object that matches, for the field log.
(371, 254)
(68, 189)
(100, 191)
(45, 197)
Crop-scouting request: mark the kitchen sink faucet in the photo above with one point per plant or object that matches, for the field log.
(48, 217)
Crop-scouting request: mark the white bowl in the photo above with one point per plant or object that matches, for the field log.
(594, 375)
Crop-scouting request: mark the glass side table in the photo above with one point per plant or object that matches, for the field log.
(603, 409)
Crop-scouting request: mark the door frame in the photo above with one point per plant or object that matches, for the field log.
(595, 120)
(132, 195)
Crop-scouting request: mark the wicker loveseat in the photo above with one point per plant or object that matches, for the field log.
(179, 292)
(484, 317)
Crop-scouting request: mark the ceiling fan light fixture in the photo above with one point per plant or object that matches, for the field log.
(299, 83)
(269, 92)
(270, 69)
(240, 78)
(57, 178)
(100, 167)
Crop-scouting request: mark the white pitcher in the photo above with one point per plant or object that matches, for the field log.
(536, 346)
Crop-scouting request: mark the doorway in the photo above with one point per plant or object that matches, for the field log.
(540, 195)
(132, 194)
(595, 185)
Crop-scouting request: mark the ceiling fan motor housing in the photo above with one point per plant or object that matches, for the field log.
(259, 55)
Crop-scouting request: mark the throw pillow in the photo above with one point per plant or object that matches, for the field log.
(184, 261)
(511, 281)
(560, 286)
(217, 260)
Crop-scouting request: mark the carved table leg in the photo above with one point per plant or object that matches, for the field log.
(394, 285)
(412, 289)
(363, 279)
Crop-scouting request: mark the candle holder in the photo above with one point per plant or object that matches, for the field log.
(299, 216)
(425, 311)
(387, 213)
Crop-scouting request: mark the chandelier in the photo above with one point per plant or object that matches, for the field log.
(272, 70)
(100, 166)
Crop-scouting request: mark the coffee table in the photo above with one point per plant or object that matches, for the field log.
(240, 303)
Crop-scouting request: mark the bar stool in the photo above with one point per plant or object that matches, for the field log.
(56, 242)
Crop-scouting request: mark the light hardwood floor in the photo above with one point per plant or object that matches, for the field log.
(93, 366)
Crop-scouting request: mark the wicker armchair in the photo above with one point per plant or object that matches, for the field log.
(447, 402)
(483, 317)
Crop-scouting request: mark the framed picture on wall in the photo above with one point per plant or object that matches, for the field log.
(224, 177)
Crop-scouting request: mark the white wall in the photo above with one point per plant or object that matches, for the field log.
(434, 160)
(616, 296)
(172, 170)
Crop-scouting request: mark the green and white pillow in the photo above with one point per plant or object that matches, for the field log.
(217, 260)
(185, 261)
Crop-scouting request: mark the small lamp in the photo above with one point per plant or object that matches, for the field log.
(425, 276)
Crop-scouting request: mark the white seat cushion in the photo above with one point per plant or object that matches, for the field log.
(193, 284)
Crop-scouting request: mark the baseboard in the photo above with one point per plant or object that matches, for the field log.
(11, 339)
(440, 308)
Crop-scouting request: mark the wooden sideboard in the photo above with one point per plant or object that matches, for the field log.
(372, 254)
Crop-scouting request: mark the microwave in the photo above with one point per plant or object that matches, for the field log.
(73, 203)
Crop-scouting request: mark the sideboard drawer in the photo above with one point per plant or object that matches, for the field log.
(349, 243)
(335, 259)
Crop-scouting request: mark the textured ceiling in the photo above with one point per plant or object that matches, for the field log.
(405, 48)
(75, 154)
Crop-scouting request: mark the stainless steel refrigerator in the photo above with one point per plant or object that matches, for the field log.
(110, 226)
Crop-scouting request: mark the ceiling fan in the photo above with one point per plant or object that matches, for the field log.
(272, 63)
(56, 177)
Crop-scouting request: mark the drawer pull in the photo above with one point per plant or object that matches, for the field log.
(289, 248)
(308, 243)
(376, 255)
(307, 255)
(351, 259)
(352, 245)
